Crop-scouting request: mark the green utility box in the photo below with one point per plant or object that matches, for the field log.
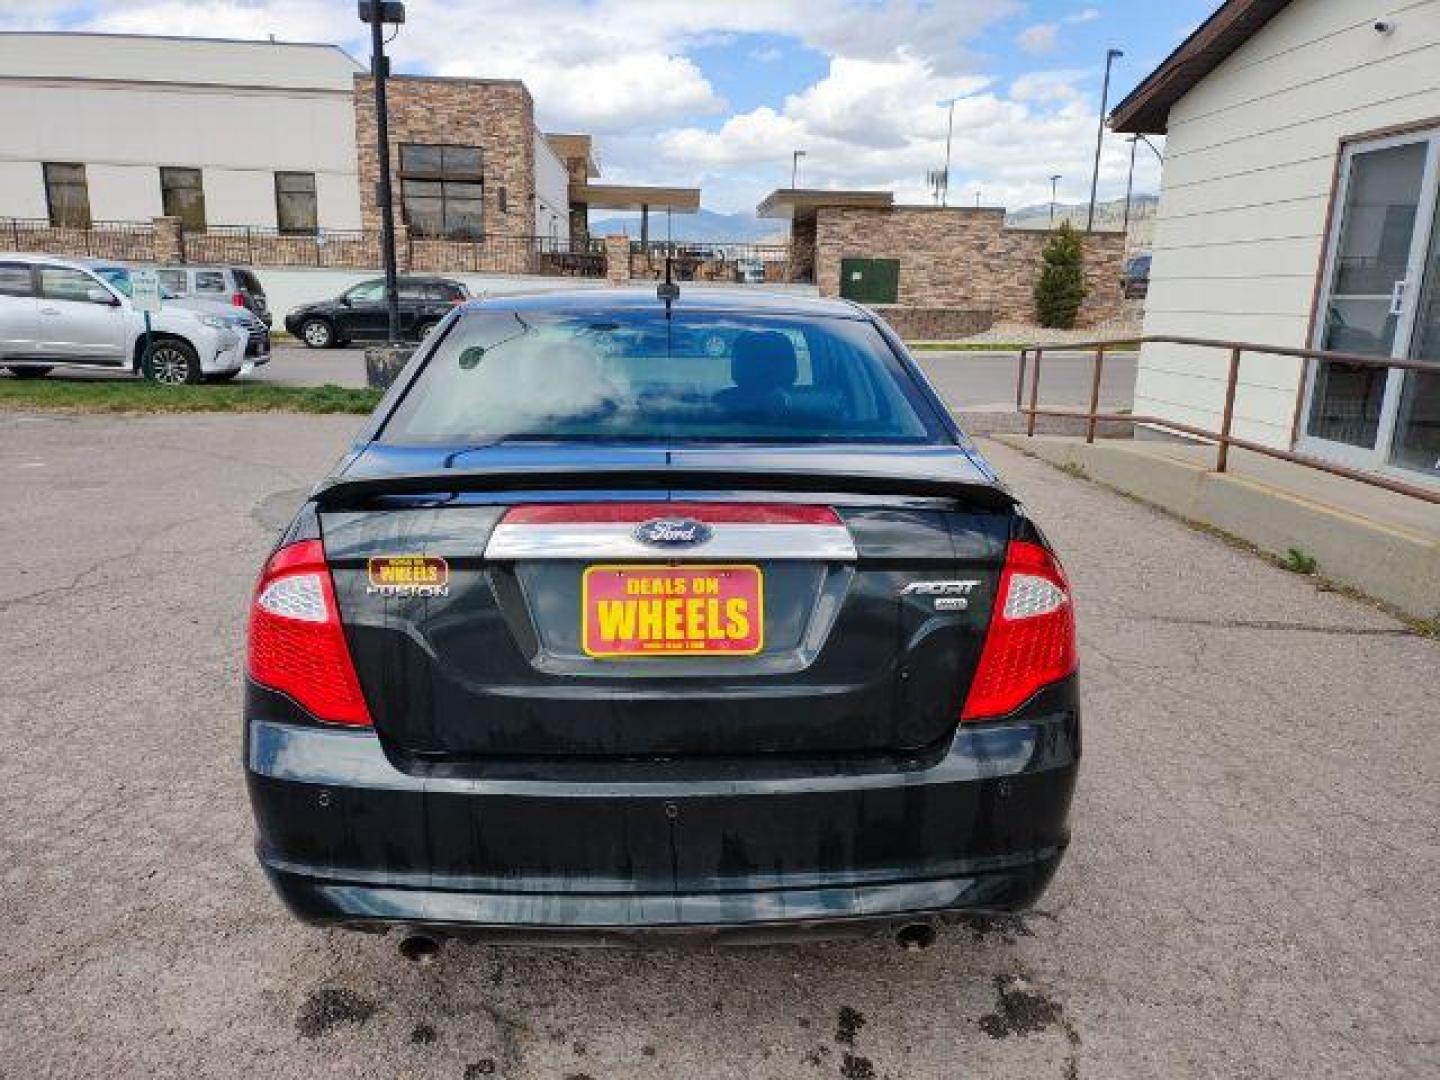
(870, 281)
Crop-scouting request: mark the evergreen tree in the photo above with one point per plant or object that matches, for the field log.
(1061, 287)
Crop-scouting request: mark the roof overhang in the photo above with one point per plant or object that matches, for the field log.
(570, 147)
(682, 200)
(1146, 110)
(801, 203)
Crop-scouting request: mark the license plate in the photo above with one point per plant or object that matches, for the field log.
(631, 612)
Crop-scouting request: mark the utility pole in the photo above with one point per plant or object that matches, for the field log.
(1111, 55)
(795, 167)
(948, 103)
(379, 14)
(1054, 180)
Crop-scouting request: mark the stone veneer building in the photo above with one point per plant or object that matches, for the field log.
(494, 116)
(934, 272)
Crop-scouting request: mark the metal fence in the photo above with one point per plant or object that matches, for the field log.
(507, 255)
(250, 246)
(123, 241)
(1031, 359)
(694, 260)
(361, 249)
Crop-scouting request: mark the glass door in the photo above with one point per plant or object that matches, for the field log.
(1377, 247)
(1416, 443)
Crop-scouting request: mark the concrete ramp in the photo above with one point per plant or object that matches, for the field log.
(1383, 544)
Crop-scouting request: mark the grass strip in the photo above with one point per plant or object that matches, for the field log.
(997, 346)
(136, 396)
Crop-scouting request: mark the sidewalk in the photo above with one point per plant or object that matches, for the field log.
(1384, 544)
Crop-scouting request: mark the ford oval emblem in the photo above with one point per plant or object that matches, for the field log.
(673, 532)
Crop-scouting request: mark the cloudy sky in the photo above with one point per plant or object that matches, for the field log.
(719, 92)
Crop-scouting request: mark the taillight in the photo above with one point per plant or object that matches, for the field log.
(296, 643)
(238, 299)
(1031, 642)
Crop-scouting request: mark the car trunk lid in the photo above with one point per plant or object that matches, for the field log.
(469, 595)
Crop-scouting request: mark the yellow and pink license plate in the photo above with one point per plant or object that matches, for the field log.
(632, 612)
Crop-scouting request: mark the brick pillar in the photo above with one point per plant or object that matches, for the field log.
(169, 243)
(802, 249)
(617, 260)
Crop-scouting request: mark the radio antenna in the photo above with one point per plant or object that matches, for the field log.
(667, 290)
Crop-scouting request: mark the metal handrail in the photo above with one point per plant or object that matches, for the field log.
(1223, 438)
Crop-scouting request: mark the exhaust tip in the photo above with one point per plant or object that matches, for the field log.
(915, 936)
(419, 948)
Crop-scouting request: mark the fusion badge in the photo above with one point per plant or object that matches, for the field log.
(408, 575)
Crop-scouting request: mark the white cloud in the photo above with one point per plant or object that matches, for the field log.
(876, 125)
(1047, 85)
(623, 69)
(1040, 38)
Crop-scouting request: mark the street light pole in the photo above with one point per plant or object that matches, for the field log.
(1053, 181)
(795, 167)
(1111, 55)
(1129, 188)
(379, 13)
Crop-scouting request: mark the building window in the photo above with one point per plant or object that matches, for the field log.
(295, 202)
(182, 195)
(442, 188)
(67, 195)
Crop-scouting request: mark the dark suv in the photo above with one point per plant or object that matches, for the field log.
(358, 314)
(1135, 282)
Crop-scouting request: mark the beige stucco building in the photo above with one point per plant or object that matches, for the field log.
(265, 135)
(1298, 208)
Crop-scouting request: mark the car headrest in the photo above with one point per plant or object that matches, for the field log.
(762, 360)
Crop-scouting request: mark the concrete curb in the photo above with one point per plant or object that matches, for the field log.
(1392, 564)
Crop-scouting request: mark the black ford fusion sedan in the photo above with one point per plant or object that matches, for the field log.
(627, 617)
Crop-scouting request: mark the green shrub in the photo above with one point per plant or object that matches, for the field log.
(1298, 562)
(1061, 287)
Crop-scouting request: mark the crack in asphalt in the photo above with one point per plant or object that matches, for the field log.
(1277, 624)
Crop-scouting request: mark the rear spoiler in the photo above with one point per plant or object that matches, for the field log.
(337, 493)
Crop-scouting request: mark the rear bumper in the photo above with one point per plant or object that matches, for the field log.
(615, 852)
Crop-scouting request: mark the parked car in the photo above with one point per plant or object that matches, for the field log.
(257, 348)
(600, 631)
(360, 314)
(1135, 283)
(59, 312)
(234, 285)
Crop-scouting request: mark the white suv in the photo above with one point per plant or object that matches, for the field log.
(59, 312)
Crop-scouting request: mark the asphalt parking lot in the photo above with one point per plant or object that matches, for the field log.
(1251, 890)
(975, 381)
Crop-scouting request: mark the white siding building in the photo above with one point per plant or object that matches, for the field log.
(124, 107)
(1298, 208)
(552, 192)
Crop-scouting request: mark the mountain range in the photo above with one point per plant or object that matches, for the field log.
(1109, 214)
(711, 226)
(707, 226)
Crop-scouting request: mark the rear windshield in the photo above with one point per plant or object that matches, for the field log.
(640, 375)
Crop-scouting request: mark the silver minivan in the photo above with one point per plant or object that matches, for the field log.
(234, 285)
